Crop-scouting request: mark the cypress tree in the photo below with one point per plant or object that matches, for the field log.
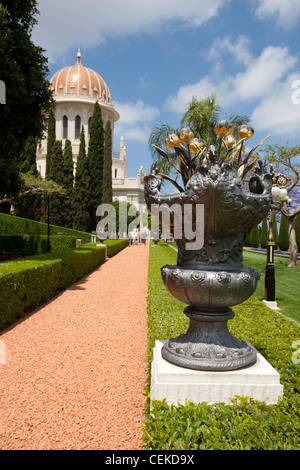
(57, 175)
(283, 237)
(107, 164)
(264, 234)
(28, 156)
(50, 142)
(81, 191)
(95, 162)
(68, 183)
(57, 165)
(254, 237)
(275, 229)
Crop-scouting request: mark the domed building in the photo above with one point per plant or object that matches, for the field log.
(76, 89)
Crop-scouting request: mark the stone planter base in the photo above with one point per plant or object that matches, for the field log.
(177, 384)
(208, 345)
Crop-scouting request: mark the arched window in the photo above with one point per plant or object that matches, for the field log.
(65, 127)
(77, 127)
(116, 173)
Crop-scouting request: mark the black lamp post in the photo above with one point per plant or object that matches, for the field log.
(281, 193)
(270, 266)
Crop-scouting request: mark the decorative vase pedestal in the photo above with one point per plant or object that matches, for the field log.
(207, 363)
(177, 384)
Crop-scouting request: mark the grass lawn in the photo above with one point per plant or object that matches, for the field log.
(245, 424)
(287, 282)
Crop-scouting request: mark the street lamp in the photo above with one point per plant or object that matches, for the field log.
(280, 193)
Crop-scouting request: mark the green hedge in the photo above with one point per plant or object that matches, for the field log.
(114, 246)
(13, 225)
(28, 282)
(28, 245)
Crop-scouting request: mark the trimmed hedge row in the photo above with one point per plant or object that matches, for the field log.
(27, 283)
(114, 246)
(13, 225)
(28, 245)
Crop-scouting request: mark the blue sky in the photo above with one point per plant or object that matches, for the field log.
(156, 55)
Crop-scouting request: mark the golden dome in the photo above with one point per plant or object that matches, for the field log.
(78, 80)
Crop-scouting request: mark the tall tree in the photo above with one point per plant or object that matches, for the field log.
(28, 156)
(285, 159)
(68, 183)
(107, 166)
(95, 161)
(24, 71)
(283, 237)
(81, 192)
(57, 201)
(275, 229)
(50, 141)
(264, 234)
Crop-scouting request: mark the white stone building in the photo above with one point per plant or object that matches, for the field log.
(76, 89)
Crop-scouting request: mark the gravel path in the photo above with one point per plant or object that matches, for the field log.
(75, 369)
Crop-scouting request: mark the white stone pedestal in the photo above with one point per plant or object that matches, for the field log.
(176, 384)
(271, 304)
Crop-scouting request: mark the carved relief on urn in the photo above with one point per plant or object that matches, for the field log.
(211, 278)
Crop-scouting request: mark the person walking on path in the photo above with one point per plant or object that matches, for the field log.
(76, 368)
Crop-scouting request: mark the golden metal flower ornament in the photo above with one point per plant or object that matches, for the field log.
(186, 135)
(184, 143)
(244, 132)
(222, 129)
(172, 141)
(229, 142)
(196, 145)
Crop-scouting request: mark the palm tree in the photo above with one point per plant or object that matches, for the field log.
(200, 115)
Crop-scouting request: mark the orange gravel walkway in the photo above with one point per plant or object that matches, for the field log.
(75, 369)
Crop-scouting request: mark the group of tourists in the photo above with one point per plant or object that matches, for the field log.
(135, 237)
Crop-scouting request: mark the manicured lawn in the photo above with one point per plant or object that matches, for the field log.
(287, 282)
(245, 424)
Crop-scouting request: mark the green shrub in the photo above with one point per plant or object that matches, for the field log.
(28, 245)
(254, 237)
(28, 282)
(114, 246)
(13, 225)
(264, 234)
(283, 237)
(246, 424)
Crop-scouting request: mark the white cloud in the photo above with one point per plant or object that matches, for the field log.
(287, 12)
(62, 24)
(264, 84)
(277, 113)
(135, 120)
(263, 73)
(240, 50)
(258, 80)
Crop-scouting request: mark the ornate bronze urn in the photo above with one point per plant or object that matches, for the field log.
(211, 279)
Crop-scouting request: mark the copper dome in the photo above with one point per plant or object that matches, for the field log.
(78, 80)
